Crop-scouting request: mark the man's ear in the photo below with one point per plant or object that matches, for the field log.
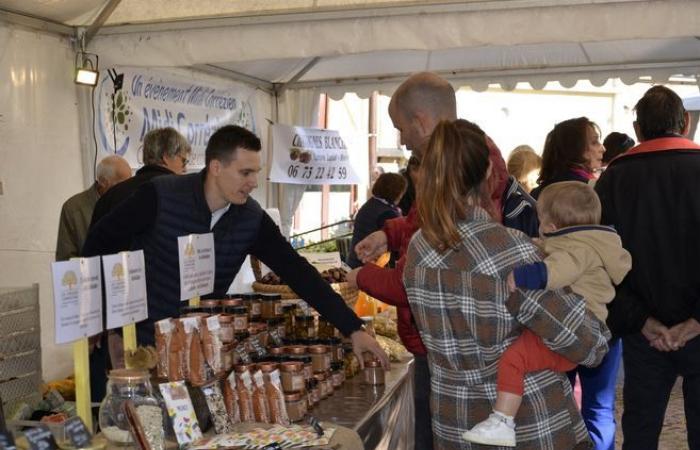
(214, 167)
(423, 123)
(637, 133)
(686, 125)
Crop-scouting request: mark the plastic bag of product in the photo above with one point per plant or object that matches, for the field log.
(211, 344)
(275, 399)
(196, 370)
(177, 362)
(231, 398)
(163, 334)
(217, 408)
(261, 409)
(244, 389)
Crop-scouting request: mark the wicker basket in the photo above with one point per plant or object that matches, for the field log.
(344, 289)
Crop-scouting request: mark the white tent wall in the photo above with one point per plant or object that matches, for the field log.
(40, 166)
(298, 108)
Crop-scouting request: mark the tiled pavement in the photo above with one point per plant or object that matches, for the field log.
(673, 435)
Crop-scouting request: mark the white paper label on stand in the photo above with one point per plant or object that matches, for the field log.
(304, 155)
(125, 288)
(77, 294)
(197, 265)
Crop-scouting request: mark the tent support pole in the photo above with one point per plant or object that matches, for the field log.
(304, 70)
(236, 76)
(94, 28)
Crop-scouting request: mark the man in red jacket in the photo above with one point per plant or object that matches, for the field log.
(416, 108)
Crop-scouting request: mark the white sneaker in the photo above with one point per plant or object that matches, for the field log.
(496, 430)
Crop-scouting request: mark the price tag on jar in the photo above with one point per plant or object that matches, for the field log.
(275, 336)
(303, 155)
(197, 265)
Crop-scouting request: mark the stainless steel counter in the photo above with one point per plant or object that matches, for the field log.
(381, 415)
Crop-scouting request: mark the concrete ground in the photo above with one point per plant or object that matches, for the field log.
(673, 435)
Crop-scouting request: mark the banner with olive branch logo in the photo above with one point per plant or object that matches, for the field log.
(155, 98)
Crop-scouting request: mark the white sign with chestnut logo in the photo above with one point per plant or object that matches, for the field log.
(304, 155)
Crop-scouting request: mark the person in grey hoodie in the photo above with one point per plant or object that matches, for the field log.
(581, 254)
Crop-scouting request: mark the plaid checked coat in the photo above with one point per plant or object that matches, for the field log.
(467, 318)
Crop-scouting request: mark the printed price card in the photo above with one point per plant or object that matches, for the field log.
(125, 288)
(197, 265)
(77, 294)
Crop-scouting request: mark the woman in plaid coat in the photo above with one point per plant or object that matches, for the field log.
(455, 277)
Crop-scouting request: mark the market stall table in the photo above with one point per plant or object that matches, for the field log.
(382, 415)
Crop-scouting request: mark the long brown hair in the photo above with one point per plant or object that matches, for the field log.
(454, 168)
(564, 149)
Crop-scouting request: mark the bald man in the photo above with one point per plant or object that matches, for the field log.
(416, 107)
(76, 212)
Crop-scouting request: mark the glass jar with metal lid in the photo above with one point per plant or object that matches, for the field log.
(292, 374)
(304, 327)
(320, 358)
(288, 313)
(134, 386)
(210, 306)
(252, 301)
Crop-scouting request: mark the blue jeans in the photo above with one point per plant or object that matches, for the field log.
(598, 396)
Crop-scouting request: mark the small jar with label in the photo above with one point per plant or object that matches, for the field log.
(271, 303)
(296, 350)
(240, 318)
(337, 352)
(304, 327)
(226, 332)
(314, 391)
(325, 329)
(232, 302)
(276, 351)
(296, 406)
(323, 385)
(252, 301)
(210, 306)
(320, 358)
(187, 311)
(292, 373)
(277, 325)
(373, 372)
(337, 374)
(288, 313)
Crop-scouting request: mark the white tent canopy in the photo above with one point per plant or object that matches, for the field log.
(363, 45)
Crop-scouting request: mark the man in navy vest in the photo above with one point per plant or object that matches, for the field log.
(215, 200)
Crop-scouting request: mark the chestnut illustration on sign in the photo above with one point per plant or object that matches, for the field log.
(294, 153)
(305, 157)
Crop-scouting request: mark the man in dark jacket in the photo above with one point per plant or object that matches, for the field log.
(215, 200)
(650, 195)
(165, 152)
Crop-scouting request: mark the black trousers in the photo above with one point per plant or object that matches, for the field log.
(423, 435)
(649, 378)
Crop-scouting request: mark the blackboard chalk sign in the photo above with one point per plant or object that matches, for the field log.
(78, 434)
(6, 441)
(40, 438)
